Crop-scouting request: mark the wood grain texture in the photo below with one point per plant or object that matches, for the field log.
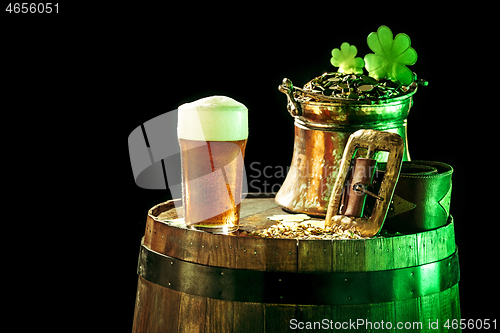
(160, 309)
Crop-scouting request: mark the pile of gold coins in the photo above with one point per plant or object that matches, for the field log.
(352, 87)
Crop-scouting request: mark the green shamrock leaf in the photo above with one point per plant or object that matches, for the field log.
(345, 59)
(391, 56)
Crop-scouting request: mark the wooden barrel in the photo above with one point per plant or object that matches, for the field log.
(192, 281)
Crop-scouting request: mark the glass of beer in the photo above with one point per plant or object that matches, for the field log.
(212, 134)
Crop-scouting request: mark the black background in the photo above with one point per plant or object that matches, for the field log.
(76, 85)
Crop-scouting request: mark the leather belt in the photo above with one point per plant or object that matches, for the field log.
(421, 200)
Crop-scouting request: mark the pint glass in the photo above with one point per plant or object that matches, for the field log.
(212, 135)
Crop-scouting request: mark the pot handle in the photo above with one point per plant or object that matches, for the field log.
(293, 107)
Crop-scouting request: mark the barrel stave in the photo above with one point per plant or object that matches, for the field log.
(161, 309)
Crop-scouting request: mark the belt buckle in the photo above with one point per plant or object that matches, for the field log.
(346, 206)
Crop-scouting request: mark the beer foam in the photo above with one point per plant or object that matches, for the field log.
(215, 118)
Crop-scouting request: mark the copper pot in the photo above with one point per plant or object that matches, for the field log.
(321, 133)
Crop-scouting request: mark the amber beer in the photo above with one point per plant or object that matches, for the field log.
(212, 136)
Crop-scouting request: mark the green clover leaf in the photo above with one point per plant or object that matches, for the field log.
(391, 56)
(345, 59)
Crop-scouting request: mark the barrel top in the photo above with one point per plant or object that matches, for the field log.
(167, 235)
(253, 215)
